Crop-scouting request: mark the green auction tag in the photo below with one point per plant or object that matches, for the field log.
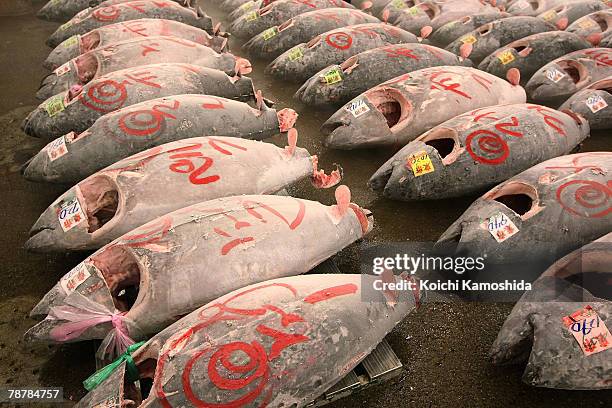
(332, 76)
(414, 10)
(71, 41)
(270, 33)
(55, 105)
(399, 4)
(295, 54)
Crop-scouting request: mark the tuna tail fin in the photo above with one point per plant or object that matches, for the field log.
(322, 180)
(513, 341)
(243, 66)
(261, 104)
(286, 119)
(343, 200)
(513, 76)
(112, 388)
(292, 137)
(216, 29)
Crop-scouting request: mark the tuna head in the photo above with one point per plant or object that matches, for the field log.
(67, 50)
(594, 103)
(371, 119)
(540, 214)
(532, 330)
(79, 217)
(417, 16)
(56, 115)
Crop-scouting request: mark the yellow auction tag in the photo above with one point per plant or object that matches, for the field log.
(247, 6)
(332, 76)
(506, 57)
(399, 4)
(468, 39)
(295, 54)
(420, 163)
(71, 41)
(252, 16)
(55, 105)
(551, 15)
(414, 10)
(270, 33)
(65, 26)
(586, 23)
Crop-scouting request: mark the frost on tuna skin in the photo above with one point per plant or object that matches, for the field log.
(123, 88)
(244, 240)
(399, 110)
(281, 331)
(127, 194)
(133, 53)
(475, 150)
(130, 130)
(103, 15)
(130, 30)
(535, 330)
(556, 206)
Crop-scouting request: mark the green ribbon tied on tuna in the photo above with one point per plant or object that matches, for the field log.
(130, 367)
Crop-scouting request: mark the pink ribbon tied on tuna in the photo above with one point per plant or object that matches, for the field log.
(86, 314)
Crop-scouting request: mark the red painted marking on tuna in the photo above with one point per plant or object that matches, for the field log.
(339, 40)
(214, 143)
(221, 232)
(326, 16)
(368, 32)
(234, 243)
(549, 119)
(396, 52)
(151, 233)
(601, 58)
(486, 115)
(482, 81)
(146, 122)
(306, 3)
(255, 372)
(443, 84)
(106, 14)
(587, 198)
(216, 102)
(434, 51)
(135, 27)
(330, 293)
(146, 49)
(492, 148)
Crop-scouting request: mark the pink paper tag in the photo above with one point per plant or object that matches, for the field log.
(588, 330)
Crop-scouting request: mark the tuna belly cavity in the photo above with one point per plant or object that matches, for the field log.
(393, 106)
(122, 274)
(101, 201)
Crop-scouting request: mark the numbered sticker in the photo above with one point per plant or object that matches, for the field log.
(295, 54)
(66, 26)
(70, 214)
(420, 163)
(398, 4)
(586, 23)
(358, 108)
(589, 330)
(551, 15)
(252, 16)
(469, 39)
(554, 75)
(57, 148)
(270, 33)
(55, 105)
(505, 57)
(596, 103)
(71, 41)
(501, 227)
(332, 76)
(75, 278)
(63, 69)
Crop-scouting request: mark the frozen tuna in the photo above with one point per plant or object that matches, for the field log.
(275, 40)
(152, 183)
(553, 208)
(133, 53)
(63, 10)
(78, 109)
(231, 5)
(101, 16)
(436, 14)
(531, 53)
(565, 14)
(477, 150)
(594, 27)
(338, 84)
(559, 328)
(276, 13)
(304, 60)
(264, 345)
(563, 77)
(130, 30)
(533, 7)
(246, 8)
(130, 130)
(594, 103)
(489, 37)
(399, 110)
(149, 277)
(449, 32)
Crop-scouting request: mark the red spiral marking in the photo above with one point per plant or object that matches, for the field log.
(490, 144)
(105, 96)
(591, 196)
(146, 122)
(341, 40)
(106, 14)
(152, 233)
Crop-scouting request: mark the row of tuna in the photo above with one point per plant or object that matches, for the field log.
(123, 130)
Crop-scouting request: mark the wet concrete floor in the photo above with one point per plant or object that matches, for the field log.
(443, 346)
